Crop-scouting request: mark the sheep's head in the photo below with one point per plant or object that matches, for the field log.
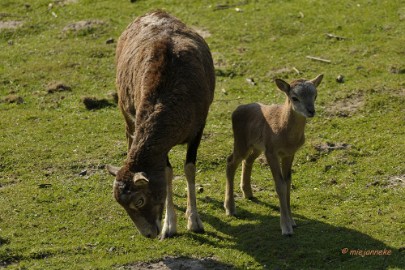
(302, 94)
(143, 203)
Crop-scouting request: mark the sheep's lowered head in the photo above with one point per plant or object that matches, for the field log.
(142, 201)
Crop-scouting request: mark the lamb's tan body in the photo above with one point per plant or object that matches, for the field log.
(165, 84)
(278, 132)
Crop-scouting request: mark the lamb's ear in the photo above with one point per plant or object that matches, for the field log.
(140, 179)
(113, 170)
(317, 80)
(283, 85)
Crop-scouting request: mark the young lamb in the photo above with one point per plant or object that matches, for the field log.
(165, 84)
(276, 130)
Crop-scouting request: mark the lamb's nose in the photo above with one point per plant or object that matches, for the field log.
(311, 112)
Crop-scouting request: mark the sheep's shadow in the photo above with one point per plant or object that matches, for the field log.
(315, 244)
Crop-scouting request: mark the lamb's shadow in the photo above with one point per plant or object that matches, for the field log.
(315, 244)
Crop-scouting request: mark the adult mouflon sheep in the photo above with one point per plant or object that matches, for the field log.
(165, 83)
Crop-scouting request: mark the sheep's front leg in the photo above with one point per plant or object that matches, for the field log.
(170, 222)
(281, 188)
(286, 164)
(130, 129)
(194, 222)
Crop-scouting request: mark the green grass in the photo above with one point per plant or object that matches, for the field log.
(53, 218)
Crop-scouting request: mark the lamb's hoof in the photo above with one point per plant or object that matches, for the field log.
(230, 213)
(288, 233)
(287, 230)
(199, 230)
(248, 195)
(194, 224)
(230, 209)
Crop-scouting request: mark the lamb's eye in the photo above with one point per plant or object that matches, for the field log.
(295, 99)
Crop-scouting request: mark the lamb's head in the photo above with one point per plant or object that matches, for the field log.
(143, 203)
(302, 94)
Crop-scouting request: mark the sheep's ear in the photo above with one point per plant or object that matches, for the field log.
(283, 86)
(113, 170)
(140, 179)
(317, 81)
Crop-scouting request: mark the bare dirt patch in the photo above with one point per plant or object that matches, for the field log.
(184, 263)
(347, 106)
(283, 72)
(10, 24)
(396, 181)
(12, 98)
(329, 147)
(83, 26)
(54, 87)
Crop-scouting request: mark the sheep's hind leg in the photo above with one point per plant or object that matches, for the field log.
(194, 222)
(170, 222)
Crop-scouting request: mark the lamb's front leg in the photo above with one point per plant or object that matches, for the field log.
(170, 222)
(194, 222)
(281, 188)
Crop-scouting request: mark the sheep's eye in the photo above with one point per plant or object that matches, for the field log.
(140, 202)
(295, 99)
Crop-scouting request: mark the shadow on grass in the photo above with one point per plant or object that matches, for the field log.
(178, 263)
(315, 244)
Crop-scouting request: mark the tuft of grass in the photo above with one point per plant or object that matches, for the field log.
(56, 207)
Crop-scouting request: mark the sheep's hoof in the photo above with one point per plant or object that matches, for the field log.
(165, 235)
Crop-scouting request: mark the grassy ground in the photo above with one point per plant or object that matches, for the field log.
(56, 207)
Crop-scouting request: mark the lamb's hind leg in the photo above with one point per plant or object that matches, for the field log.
(232, 164)
(281, 188)
(170, 222)
(286, 164)
(194, 222)
(247, 165)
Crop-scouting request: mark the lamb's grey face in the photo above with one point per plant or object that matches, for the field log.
(143, 204)
(302, 94)
(303, 98)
